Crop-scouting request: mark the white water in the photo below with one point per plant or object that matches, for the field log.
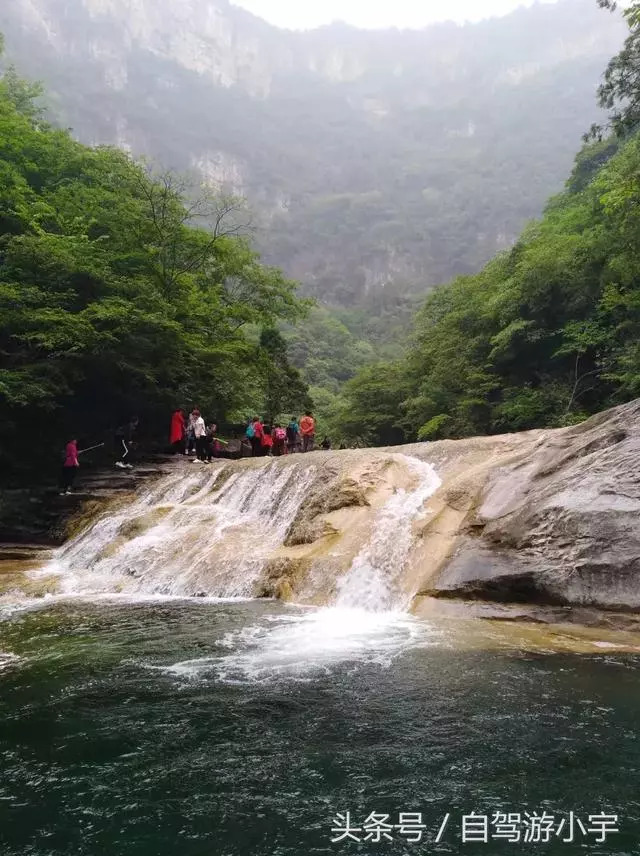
(187, 535)
(304, 643)
(194, 533)
(374, 581)
(367, 621)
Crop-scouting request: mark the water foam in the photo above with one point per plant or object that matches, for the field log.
(299, 646)
(187, 536)
(366, 623)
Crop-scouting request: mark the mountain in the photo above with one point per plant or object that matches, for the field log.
(373, 159)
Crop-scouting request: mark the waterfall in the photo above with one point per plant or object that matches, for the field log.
(212, 532)
(219, 532)
(374, 581)
(365, 622)
(205, 533)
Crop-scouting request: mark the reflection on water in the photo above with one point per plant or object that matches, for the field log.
(237, 728)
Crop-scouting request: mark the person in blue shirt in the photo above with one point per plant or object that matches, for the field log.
(293, 435)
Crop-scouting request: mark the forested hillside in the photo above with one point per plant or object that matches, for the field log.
(374, 160)
(113, 303)
(122, 291)
(549, 332)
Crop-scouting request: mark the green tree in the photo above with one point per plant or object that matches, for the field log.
(620, 91)
(284, 388)
(120, 294)
(545, 335)
(371, 414)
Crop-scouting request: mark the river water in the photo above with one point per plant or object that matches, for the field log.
(189, 727)
(142, 723)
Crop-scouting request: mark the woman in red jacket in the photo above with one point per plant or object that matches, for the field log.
(176, 437)
(70, 466)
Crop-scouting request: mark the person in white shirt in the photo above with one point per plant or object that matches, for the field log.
(200, 433)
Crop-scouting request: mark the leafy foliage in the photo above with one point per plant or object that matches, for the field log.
(113, 302)
(620, 91)
(546, 334)
(285, 389)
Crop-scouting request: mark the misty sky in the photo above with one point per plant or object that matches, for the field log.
(301, 14)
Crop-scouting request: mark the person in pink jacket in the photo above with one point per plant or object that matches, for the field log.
(70, 466)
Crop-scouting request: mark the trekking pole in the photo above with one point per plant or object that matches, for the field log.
(91, 448)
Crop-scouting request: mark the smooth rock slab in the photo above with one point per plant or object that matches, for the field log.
(559, 525)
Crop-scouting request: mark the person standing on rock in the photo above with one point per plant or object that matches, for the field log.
(200, 435)
(293, 435)
(256, 439)
(191, 436)
(125, 440)
(267, 440)
(308, 431)
(212, 444)
(176, 437)
(279, 441)
(249, 432)
(69, 467)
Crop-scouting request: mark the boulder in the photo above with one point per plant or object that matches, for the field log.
(558, 524)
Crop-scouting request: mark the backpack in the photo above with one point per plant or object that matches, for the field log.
(280, 434)
(250, 432)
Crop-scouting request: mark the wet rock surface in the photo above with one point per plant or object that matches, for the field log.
(558, 524)
(538, 526)
(38, 515)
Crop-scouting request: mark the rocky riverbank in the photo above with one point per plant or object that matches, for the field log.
(554, 521)
(540, 526)
(546, 522)
(38, 516)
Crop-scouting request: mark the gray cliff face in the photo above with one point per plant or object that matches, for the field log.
(370, 158)
(232, 47)
(559, 524)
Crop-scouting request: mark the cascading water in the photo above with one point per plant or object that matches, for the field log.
(374, 581)
(366, 621)
(212, 533)
(188, 535)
